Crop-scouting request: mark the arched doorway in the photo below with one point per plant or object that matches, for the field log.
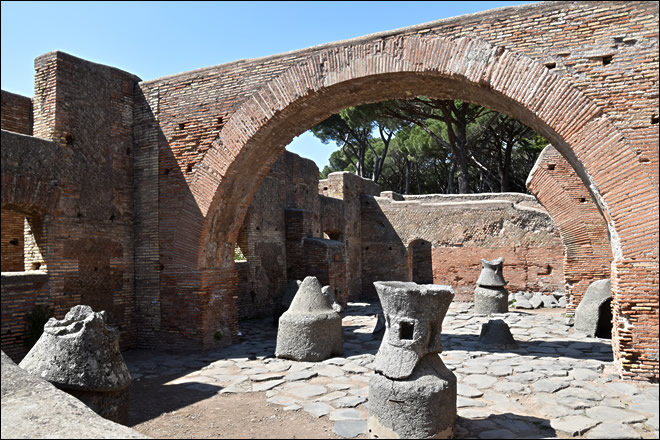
(444, 68)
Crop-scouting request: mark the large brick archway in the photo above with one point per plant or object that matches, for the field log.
(461, 68)
(163, 171)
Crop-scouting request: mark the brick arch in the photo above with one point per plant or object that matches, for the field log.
(587, 253)
(446, 68)
(463, 68)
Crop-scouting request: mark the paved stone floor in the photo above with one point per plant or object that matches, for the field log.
(556, 384)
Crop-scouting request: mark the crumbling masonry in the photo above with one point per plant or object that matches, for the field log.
(134, 192)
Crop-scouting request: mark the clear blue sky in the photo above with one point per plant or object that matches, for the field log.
(154, 39)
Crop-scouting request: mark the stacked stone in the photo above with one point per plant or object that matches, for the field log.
(528, 300)
(80, 355)
(412, 394)
(490, 296)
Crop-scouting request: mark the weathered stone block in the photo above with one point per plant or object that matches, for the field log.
(81, 356)
(491, 300)
(588, 312)
(422, 405)
(310, 330)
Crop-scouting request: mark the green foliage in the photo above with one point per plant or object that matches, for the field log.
(238, 254)
(426, 146)
(34, 324)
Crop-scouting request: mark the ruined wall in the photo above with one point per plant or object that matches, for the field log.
(77, 181)
(16, 113)
(349, 187)
(460, 230)
(21, 293)
(13, 244)
(587, 252)
(274, 250)
(584, 74)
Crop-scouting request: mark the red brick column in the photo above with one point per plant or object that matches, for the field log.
(587, 254)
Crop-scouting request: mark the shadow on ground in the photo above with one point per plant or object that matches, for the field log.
(507, 425)
(158, 400)
(543, 348)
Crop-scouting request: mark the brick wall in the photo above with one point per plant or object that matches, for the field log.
(21, 293)
(582, 74)
(272, 247)
(455, 233)
(16, 113)
(79, 186)
(587, 253)
(13, 244)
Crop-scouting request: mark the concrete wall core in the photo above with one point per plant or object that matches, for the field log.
(161, 173)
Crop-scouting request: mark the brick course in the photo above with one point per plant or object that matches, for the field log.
(179, 159)
(587, 254)
(16, 113)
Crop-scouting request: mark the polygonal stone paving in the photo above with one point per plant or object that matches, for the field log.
(556, 384)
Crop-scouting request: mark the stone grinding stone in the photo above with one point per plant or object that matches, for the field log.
(420, 406)
(310, 330)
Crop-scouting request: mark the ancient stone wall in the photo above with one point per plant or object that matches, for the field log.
(13, 244)
(582, 74)
(444, 237)
(16, 113)
(348, 187)
(273, 248)
(22, 292)
(77, 182)
(587, 253)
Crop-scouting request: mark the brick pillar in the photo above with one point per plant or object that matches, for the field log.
(635, 318)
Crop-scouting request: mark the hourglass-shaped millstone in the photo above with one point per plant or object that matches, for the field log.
(412, 394)
(490, 296)
(491, 273)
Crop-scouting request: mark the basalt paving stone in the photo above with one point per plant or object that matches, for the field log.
(613, 431)
(300, 375)
(305, 391)
(462, 402)
(613, 415)
(267, 385)
(331, 396)
(550, 354)
(573, 425)
(347, 414)
(650, 407)
(317, 409)
(549, 385)
(468, 391)
(350, 428)
(348, 402)
(328, 370)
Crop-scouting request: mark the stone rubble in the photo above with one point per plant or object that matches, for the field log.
(558, 383)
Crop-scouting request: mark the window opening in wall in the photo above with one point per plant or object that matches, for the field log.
(607, 59)
(22, 242)
(238, 254)
(333, 235)
(550, 65)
